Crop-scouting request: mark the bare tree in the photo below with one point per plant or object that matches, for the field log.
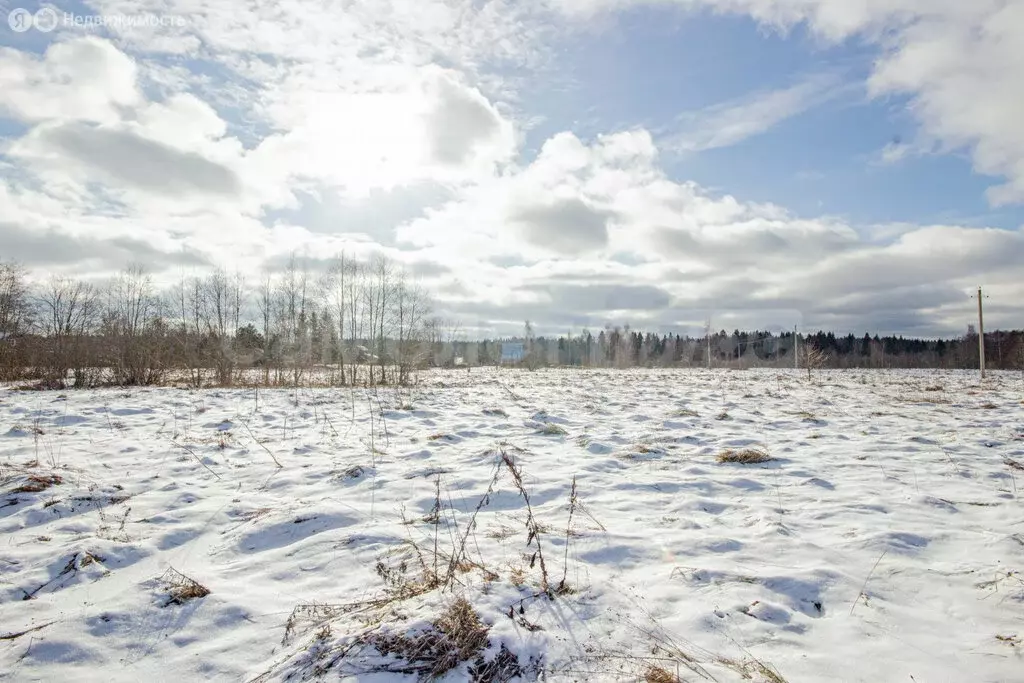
(188, 304)
(15, 317)
(292, 318)
(237, 300)
(382, 286)
(355, 311)
(132, 323)
(410, 310)
(371, 311)
(265, 304)
(337, 294)
(223, 297)
(812, 358)
(69, 310)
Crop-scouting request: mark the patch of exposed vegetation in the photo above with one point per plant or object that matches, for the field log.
(746, 456)
(180, 588)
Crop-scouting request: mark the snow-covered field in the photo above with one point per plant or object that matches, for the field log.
(883, 542)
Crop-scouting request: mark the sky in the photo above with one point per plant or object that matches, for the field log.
(850, 165)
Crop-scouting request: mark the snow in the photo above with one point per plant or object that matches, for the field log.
(883, 542)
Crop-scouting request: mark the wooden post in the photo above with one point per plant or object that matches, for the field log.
(708, 335)
(981, 336)
(796, 349)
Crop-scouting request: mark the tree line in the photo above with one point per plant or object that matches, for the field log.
(364, 323)
(621, 347)
(360, 322)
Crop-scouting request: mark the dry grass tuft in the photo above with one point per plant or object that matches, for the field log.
(517, 575)
(934, 400)
(33, 429)
(250, 515)
(400, 585)
(462, 625)
(354, 472)
(767, 672)
(181, 588)
(306, 617)
(457, 636)
(746, 456)
(551, 429)
(503, 668)
(656, 674)
(746, 669)
(36, 483)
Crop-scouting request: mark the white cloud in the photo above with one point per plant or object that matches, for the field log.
(564, 226)
(123, 158)
(183, 118)
(427, 125)
(460, 122)
(83, 80)
(964, 77)
(728, 123)
(894, 152)
(698, 251)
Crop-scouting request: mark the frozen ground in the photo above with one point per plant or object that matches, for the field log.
(883, 542)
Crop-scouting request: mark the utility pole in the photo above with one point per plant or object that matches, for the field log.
(709, 343)
(796, 349)
(981, 335)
